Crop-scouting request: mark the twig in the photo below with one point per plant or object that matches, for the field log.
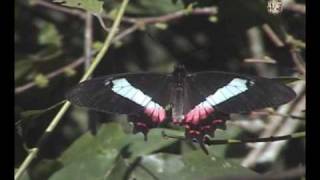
(133, 20)
(272, 35)
(242, 141)
(260, 60)
(103, 25)
(298, 61)
(66, 106)
(274, 113)
(255, 140)
(296, 57)
(273, 149)
(87, 40)
(272, 128)
(75, 63)
(295, 7)
(126, 32)
(50, 75)
(175, 15)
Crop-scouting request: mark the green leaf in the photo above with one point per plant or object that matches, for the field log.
(213, 19)
(93, 157)
(49, 35)
(192, 165)
(162, 26)
(97, 45)
(69, 72)
(92, 6)
(41, 80)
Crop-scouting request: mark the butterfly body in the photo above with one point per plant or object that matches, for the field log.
(200, 102)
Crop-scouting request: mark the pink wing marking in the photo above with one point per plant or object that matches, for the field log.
(156, 112)
(199, 112)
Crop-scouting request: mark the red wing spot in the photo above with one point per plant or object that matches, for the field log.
(202, 113)
(198, 113)
(196, 116)
(149, 111)
(162, 115)
(209, 110)
(157, 114)
(189, 116)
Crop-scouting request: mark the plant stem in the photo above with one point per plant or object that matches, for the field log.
(267, 139)
(66, 105)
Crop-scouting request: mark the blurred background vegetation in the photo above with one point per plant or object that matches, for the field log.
(55, 42)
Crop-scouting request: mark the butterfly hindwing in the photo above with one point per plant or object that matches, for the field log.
(122, 93)
(234, 93)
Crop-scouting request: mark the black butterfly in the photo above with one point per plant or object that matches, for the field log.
(201, 102)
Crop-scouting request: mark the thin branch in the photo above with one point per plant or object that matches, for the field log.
(297, 59)
(295, 7)
(88, 40)
(50, 75)
(103, 25)
(75, 63)
(274, 113)
(273, 36)
(242, 141)
(126, 32)
(138, 22)
(175, 15)
(132, 20)
(273, 127)
(255, 140)
(66, 106)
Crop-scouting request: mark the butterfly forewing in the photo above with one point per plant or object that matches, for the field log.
(234, 93)
(122, 93)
